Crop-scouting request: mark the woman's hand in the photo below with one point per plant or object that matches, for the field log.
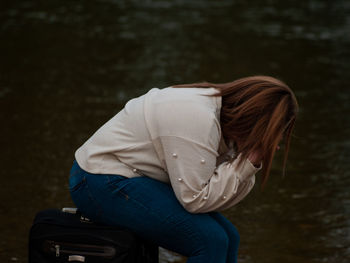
(255, 158)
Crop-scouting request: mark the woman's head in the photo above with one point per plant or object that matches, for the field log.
(257, 113)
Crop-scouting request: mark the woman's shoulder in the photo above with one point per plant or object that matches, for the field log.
(184, 97)
(183, 112)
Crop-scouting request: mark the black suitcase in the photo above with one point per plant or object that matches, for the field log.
(66, 236)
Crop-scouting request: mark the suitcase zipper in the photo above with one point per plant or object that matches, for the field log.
(60, 248)
(57, 248)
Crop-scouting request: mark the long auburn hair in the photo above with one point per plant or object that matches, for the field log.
(258, 112)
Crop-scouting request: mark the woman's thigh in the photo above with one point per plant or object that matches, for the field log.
(150, 209)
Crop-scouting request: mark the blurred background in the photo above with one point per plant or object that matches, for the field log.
(66, 67)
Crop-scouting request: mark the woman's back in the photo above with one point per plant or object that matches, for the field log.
(130, 140)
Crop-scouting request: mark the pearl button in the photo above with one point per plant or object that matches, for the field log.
(224, 197)
(134, 170)
(179, 179)
(174, 155)
(202, 161)
(194, 196)
(205, 197)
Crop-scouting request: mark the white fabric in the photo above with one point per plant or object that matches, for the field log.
(172, 135)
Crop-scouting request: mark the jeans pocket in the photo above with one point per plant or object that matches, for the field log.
(76, 180)
(114, 180)
(75, 185)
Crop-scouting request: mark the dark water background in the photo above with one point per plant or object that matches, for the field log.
(66, 67)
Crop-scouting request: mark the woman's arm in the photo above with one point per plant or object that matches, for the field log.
(198, 184)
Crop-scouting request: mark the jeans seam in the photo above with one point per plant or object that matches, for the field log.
(128, 198)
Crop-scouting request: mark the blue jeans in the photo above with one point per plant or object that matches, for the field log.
(150, 209)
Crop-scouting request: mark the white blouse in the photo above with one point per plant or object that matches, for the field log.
(172, 135)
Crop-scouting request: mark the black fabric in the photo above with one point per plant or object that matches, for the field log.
(57, 236)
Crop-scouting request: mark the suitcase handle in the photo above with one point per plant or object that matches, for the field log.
(71, 210)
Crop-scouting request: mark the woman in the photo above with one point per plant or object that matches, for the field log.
(165, 164)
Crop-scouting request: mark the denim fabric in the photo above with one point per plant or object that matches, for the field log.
(150, 209)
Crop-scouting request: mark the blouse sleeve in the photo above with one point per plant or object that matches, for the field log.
(186, 135)
(198, 184)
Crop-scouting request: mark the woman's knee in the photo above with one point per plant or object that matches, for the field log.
(213, 244)
(233, 234)
(220, 239)
(230, 229)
